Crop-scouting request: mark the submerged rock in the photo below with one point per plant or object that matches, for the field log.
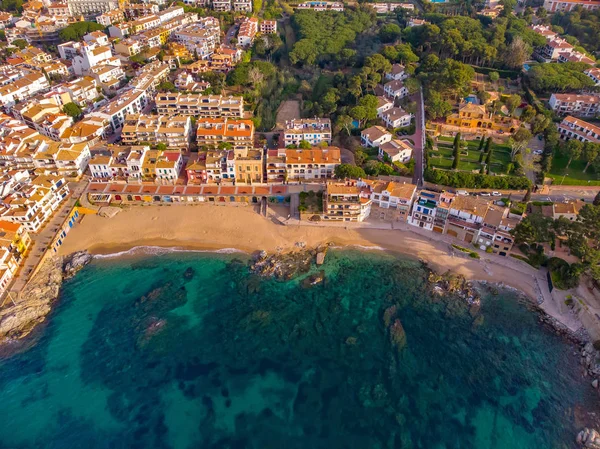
(397, 335)
(188, 273)
(454, 284)
(313, 279)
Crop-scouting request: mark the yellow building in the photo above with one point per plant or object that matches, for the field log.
(475, 117)
(249, 166)
(179, 50)
(15, 237)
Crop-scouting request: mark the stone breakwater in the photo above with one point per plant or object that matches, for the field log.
(19, 319)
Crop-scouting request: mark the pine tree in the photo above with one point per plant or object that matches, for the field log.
(481, 142)
(488, 145)
(488, 159)
(456, 152)
(481, 157)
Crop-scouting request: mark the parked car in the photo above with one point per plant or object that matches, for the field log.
(540, 137)
(484, 194)
(462, 192)
(496, 194)
(538, 152)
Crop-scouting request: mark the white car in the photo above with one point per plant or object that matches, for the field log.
(484, 194)
(538, 152)
(496, 194)
(462, 192)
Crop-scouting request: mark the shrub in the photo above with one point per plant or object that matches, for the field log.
(474, 255)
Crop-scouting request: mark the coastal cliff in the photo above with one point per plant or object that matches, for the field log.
(19, 318)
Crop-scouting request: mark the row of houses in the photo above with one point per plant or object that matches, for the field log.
(557, 48)
(471, 219)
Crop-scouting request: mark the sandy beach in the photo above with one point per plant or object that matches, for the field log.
(217, 227)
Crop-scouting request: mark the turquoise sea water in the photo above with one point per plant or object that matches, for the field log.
(192, 351)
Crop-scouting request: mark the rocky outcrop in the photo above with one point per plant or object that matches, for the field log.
(19, 318)
(287, 265)
(454, 284)
(75, 262)
(589, 438)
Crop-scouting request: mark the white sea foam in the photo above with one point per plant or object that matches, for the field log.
(159, 250)
(365, 247)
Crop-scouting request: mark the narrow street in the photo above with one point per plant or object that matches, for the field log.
(419, 140)
(41, 240)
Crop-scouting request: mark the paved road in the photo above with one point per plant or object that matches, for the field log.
(419, 140)
(230, 35)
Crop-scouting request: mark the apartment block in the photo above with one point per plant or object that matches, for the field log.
(396, 118)
(118, 163)
(247, 31)
(574, 104)
(111, 17)
(398, 73)
(321, 6)
(346, 202)
(84, 55)
(225, 133)
(424, 210)
(133, 10)
(314, 131)
(22, 88)
(204, 106)
(47, 118)
(242, 5)
(173, 131)
(568, 5)
(268, 26)
(162, 167)
(91, 8)
(594, 75)
(35, 202)
(249, 166)
(201, 37)
(221, 5)
(574, 128)
(313, 164)
(391, 200)
(395, 89)
(374, 136)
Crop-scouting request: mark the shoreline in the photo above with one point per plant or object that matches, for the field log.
(213, 228)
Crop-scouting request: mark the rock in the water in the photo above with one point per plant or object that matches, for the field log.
(589, 438)
(397, 335)
(313, 279)
(320, 258)
(188, 273)
(75, 262)
(595, 383)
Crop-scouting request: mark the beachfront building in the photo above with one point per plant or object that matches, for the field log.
(118, 163)
(173, 131)
(35, 202)
(495, 230)
(465, 217)
(314, 131)
(225, 133)
(423, 209)
(395, 150)
(374, 136)
(574, 128)
(200, 105)
(346, 202)
(441, 212)
(249, 166)
(391, 200)
(14, 243)
(313, 164)
(575, 104)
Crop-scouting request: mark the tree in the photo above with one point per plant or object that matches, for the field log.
(369, 103)
(344, 122)
(481, 154)
(518, 141)
(488, 145)
(512, 102)
(528, 114)
(256, 77)
(77, 30)
(456, 152)
(590, 154)
(574, 149)
(527, 196)
(494, 77)
(539, 123)
(21, 43)
(72, 110)
(597, 199)
(389, 32)
(488, 159)
(481, 142)
(344, 171)
(358, 113)
(437, 106)
(517, 53)
(167, 86)
(161, 146)
(305, 145)
(413, 85)
(483, 96)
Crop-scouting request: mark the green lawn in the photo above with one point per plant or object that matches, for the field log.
(468, 162)
(576, 176)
